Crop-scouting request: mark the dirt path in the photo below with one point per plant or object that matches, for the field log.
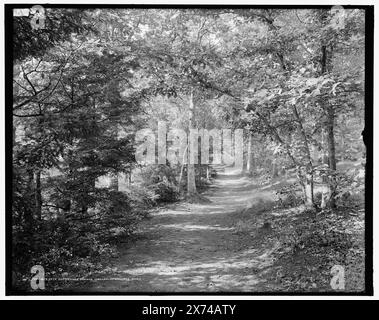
(195, 247)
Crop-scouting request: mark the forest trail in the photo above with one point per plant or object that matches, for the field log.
(194, 247)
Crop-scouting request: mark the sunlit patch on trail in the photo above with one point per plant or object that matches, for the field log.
(194, 246)
(194, 227)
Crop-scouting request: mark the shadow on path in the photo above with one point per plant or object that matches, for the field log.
(194, 247)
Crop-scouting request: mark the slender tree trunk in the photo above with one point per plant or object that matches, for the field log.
(114, 182)
(250, 156)
(332, 156)
(325, 161)
(191, 182)
(275, 171)
(191, 185)
(114, 178)
(330, 132)
(245, 156)
(309, 190)
(309, 194)
(182, 168)
(127, 179)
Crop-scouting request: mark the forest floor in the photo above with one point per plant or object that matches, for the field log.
(187, 247)
(229, 244)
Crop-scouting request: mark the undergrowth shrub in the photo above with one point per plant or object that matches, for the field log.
(349, 189)
(161, 180)
(316, 235)
(165, 191)
(79, 239)
(289, 196)
(311, 245)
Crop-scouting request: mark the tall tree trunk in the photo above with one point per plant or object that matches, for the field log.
(114, 185)
(245, 156)
(250, 156)
(182, 168)
(332, 156)
(330, 132)
(324, 158)
(308, 183)
(191, 182)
